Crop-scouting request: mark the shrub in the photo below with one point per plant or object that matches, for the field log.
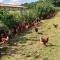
(44, 8)
(8, 19)
(3, 27)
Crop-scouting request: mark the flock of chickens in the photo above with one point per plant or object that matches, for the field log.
(4, 37)
(45, 39)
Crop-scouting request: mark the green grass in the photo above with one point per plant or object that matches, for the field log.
(32, 49)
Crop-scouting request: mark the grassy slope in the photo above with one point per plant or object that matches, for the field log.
(30, 48)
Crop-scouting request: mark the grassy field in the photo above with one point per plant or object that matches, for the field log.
(28, 46)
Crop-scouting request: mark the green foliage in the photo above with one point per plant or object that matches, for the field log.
(3, 26)
(40, 9)
(10, 18)
(44, 8)
(29, 15)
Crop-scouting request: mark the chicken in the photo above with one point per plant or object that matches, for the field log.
(44, 40)
(27, 26)
(55, 25)
(4, 37)
(36, 29)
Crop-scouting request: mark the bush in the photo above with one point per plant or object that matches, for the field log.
(41, 10)
(44, 8)
(3, 27)
(9, 19)
(29, 15)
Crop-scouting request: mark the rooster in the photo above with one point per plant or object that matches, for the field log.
(44, 40)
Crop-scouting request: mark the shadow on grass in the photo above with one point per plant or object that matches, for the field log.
(0, 56)
(41, 33)
(52, 45)
(15, 39)
(20, 38)
(3, 51)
